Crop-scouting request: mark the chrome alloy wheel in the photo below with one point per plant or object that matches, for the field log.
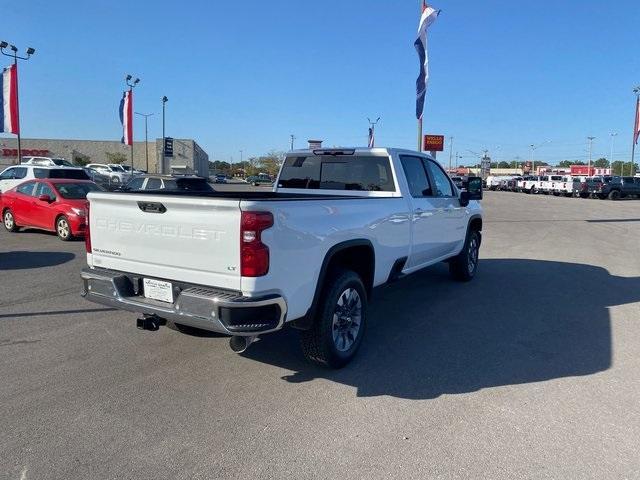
(347, 318)
(472, 254)
(8, 220)
(62, 228)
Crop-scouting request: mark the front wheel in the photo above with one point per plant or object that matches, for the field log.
(340, 321)
(614, 195)
(464, 266)
(63, 229)
(9, 221)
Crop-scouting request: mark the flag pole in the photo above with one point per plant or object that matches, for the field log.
(420, 134)
(636, 127)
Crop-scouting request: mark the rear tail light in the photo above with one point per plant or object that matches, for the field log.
(87, 231)
(254, 255)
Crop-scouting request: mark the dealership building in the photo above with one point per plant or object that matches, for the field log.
(188, 156)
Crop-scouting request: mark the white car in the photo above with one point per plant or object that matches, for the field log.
(114, 172)
(47, 162)
(308, 254)
(13, 176)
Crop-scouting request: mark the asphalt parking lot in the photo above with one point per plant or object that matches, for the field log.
(530, 371)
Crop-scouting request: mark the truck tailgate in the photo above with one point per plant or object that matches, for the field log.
(187, 239)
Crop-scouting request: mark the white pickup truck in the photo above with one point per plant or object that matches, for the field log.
(308, 254)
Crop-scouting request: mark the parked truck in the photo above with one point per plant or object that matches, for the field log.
(308, 254)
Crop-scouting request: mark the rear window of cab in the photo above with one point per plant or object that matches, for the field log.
(335, 172)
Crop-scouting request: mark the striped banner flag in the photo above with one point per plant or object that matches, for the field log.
(429, 15)
(372, 138)
(9, 121)
(126, 117)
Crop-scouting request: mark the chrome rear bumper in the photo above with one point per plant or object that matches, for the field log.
(202, 307)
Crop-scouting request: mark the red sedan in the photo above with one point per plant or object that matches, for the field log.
(57, 205)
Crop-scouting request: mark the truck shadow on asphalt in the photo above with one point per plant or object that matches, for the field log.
(519, 321)
(22, 260)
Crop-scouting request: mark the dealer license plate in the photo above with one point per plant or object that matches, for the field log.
(158, 290)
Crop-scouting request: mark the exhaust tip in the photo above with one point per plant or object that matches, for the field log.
(240, 344)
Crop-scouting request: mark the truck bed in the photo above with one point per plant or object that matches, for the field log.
(247, 195)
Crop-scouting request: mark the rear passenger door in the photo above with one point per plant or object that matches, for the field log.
(426, 218)
(446, 200)
(23, 204)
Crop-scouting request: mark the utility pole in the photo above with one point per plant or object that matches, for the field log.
(146, 138)
(240, 156)
(164, 100)
(613, 136)
(451, 152)
(15, 56)
(131, 87)
(293, 137)
(591, 139)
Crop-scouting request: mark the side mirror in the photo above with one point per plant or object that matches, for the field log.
(472, 190)
(45, 198)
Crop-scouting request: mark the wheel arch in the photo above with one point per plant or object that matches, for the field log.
(357, 255)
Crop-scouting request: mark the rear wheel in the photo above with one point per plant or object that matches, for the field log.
(614, 195)
(340, 321)
(63, 229)
(9, 221)
(464, 266)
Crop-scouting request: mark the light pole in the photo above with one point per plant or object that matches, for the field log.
(451, 152)
(293, 137)
(15, 56)
(164, 100)
(131, 85)
(613, 136)
(372, 131)
(591, 139)
(533, 149)
(241, 156)
(146, 138)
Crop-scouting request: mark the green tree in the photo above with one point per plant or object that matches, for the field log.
(503, 164)
(565, 163)
(601, 163)
(116, 157)
(80, 159)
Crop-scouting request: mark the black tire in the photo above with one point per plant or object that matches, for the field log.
(614, 195)
(63, 229)
(533, 191)
(464, 266)
(9, 221)
(331, 341)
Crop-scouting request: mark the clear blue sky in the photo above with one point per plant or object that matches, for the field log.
(246, 74)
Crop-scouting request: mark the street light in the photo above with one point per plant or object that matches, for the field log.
(16, 57)
(146, 139)
(533, 149)
(131, 87)
(164, 100)
(591, 139)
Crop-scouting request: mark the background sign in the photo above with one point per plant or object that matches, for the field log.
(168, 147)
(433, 143)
